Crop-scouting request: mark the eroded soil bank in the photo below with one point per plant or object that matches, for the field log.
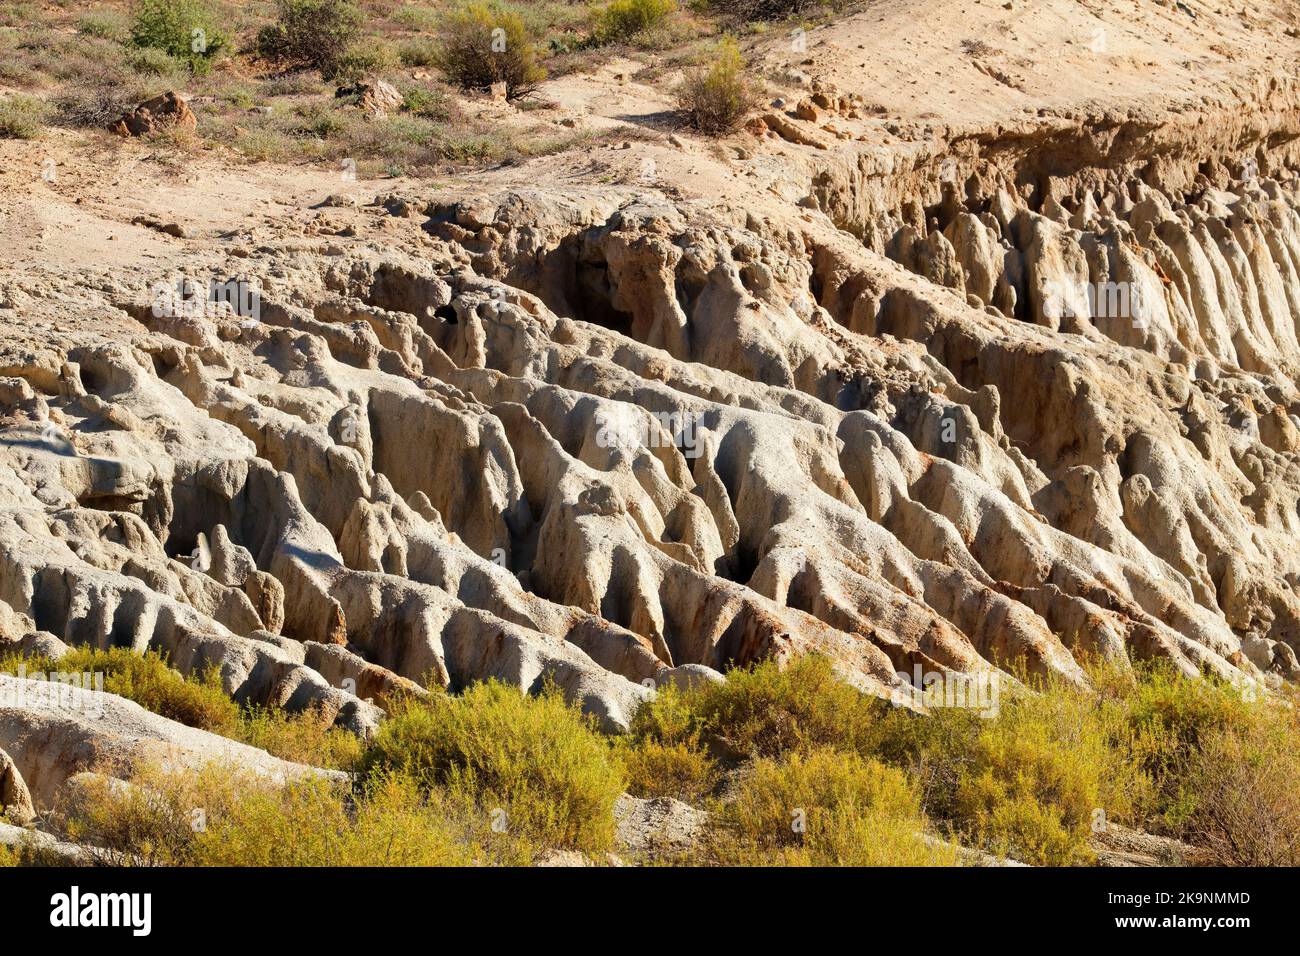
(902, 386)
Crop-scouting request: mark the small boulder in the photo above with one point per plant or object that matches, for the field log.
(165, 111)
(15, 800)
(376, 97)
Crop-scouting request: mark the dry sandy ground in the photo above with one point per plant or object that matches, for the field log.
(929, 75)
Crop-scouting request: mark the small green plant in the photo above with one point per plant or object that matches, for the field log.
(22, 116)
(360, 62)
(418, 17)
(716, 99)
(532, 763)
(426, 103)
(482, 45)
(420, 51)
(185, 29)
(624, 19)
(319, 34)
(105, 24)
(151, 61)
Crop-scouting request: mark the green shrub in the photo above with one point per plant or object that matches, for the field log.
(716, 99)
(200, 701)
(105, 24)
(263, 145)
(322, 120)
(150, 682)
(360, 62)
(420, 51)
(824, 808)
(624, 19)
(150, 61)
(1032, 787)
(185, 29)
(22, 116)
(416, 17)
(319, 34)
(426, 103)
(535, 758)
(482, 44)
(1171, 717)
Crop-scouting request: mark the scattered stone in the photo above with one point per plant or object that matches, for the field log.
(376, 98)
(166, 111)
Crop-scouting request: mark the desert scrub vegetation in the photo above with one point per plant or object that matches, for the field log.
(822, 808)
(535, 763)
(200, 701)
(183, 29)
(766, 711)
(318, 34)
(1030, 783)
(624, 19)
(783, 758)
(1188, 757)
(22, 116)
(1223, 763)
(144, 678)
(225, 816)
(749, 11)
(716, 99)
(794, 767)
(105, 24)
(482, 45)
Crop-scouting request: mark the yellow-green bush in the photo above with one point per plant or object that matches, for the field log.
(305, 737)
(535, 762)
(1171, 717)
(679, 770)
(222, 816)
(148, 680)
(200, 701)
(22, 116)
(482, 44)
(825, 808)
(1246, 783)
(624, 19)
(1031, 782)
(767, 711)
(717, 98)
